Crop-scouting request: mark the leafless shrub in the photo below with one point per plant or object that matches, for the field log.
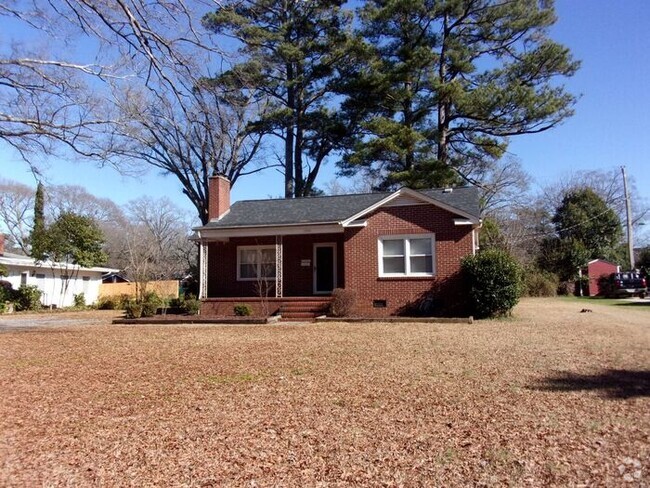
(343, 301)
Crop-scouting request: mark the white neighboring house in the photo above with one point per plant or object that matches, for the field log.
(50, 278)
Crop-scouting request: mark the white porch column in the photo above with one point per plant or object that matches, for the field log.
(203, 270)
(278, 266)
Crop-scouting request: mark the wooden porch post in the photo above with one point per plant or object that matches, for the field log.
(278, 266)
(203, 270)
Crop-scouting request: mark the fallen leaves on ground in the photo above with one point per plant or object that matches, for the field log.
(528, 401)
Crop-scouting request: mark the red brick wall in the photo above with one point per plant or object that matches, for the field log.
(227, 308)
(219, 197)
(222, 267)
(298, 280)
(402, 295)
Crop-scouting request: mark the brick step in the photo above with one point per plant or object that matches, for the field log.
(303, 308)
(299, 315)
(317, 303)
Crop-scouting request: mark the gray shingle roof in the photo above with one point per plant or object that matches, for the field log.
(329, 209)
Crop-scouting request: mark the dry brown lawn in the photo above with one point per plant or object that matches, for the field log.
(551, 397)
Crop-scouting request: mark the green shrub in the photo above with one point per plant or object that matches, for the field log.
(540, 283)
(566, 288)
(495, 282)
(7, 292)
(133, 310)
(192, 306)
(106, 303)
(79, 300)
(152, 297)
(176, 303)
(342, 302)
(123, 300)
(149, 309)
(243, 310)
(150, 304)
(115, 302)
(27, 297)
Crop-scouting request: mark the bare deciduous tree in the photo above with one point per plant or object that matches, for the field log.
(16, 212)
(74, 198)
(208, 134)
(156, 245)
(139, 93)
(503, 184)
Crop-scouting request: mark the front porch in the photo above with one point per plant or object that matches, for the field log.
(270, 270)
(291, 308)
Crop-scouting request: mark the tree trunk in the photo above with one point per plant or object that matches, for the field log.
(289, 182)
(298, 112)
(443, 103)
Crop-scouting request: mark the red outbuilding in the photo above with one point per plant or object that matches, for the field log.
(597, 269)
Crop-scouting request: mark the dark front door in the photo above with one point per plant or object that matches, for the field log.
(324, 268)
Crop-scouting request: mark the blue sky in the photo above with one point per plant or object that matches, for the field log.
(611, 126)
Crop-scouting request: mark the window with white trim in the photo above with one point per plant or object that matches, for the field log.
(255, 262)
(407, 255)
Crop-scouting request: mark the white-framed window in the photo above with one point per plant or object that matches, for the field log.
(407, 255)
(255, 262)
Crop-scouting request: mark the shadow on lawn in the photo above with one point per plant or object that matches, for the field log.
(612, 383)
(644, 303)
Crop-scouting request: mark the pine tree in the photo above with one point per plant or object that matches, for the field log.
(445, 83)
(37, 238)
(292, 52)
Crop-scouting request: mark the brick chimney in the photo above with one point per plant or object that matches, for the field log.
(219, 197)
(2, 244)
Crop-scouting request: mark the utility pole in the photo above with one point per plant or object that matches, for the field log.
(628, 211)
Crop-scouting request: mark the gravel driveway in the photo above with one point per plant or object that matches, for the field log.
(20, 321)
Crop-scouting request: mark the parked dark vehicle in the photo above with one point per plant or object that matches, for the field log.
(628, 284)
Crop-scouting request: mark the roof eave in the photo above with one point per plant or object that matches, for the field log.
(261, 226)
(209, 233)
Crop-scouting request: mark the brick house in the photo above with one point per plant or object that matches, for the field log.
(398, 251)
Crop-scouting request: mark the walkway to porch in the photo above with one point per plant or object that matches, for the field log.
(298, 308)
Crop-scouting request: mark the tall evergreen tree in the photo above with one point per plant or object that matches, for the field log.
(292, 52)
(71, 242)
(75, 240)
(37, 238)
(586, 228)
(583, 216)
(445, 83)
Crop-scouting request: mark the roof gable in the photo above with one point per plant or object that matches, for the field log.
(406, 196)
